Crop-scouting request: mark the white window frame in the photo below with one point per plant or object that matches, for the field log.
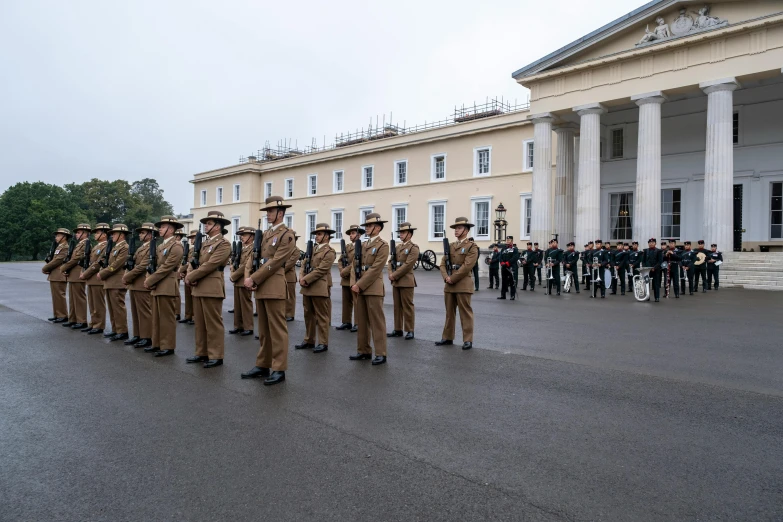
(740, 137)
(768, 196)
(432, 167)
(610, 139)
(338, 234)
(287, 182)
(219, 196)
(362, 212)
(268, 189)
(310, 178)
(236, 192)
(430, 222)
(681, 213)
(314, 214)
(525, 198)
(335, 190)
(527, 166)
(396, 174)
(610, 230)
(404, 206)
(287, 218)
(203, 199)
(490, 222)
(235, 226)
(476, 151)
(364, 178)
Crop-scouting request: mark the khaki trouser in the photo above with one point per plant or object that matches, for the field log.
(461, 302)
(290, 303)
(404, 310)
(178, 297)
(372, 324)
(164, 322)
(188, 303)
(141, 313)
(115, 298)
(273, 334)
(349, 299)
(77, 303)
(243, 308)
(97, 298)
(59, 304)
(210, 333)
(318, 315)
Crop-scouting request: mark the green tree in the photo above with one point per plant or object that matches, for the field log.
(150, 195)
(103, 201)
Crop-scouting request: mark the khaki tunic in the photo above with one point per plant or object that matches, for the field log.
(115, 289)
(370, 317)
(290, 281)
(403, 285)
(163, 283)
(317, 295)
(95, 293)
(458, 295)
(77, 309)
(140, 298)
(58, 281)
(243, 298)
(209, 291)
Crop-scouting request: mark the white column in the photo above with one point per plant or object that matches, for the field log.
(541, 216)
(647, 198)
(588, 198)
(564, 183)
(576, 189)
(719, 163)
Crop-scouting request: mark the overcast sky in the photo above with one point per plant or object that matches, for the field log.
(165, 89)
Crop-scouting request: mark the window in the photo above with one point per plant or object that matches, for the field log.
(312, 184)
(735, 128)
(617, 143)
(203, 198)
(337, 224)
(236, 193)
(400, 216)
(289, 188)
(268, 189)
(310, 222)
(481, 218)
(338, 177)
(670, 213)
(527, 215)
(437, 220)
(438, 167)
(527, 148)
(621, 215)
(234, 226)
(776, 211)
(363, 214)
(368, 173)
(482, 161)
(288, 219)
(401, 172)
(219, 196)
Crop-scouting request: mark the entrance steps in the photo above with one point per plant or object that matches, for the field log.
(752, 270)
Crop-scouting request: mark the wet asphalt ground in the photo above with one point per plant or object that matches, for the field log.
(567, 408)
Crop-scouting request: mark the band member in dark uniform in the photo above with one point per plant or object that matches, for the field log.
(635, 259)
(553, 258)
(494, 268)
(672, 257)
(653, 258)
(599, 260)
(539, 262)
(714, 260)
(570, 261)
(700, 267)
(587, 258)
(688, 256)
(621, 266)
(529, 258)
(509, 268)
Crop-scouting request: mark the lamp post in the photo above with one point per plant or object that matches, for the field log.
(500, 224)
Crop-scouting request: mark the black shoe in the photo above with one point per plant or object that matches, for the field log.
(344, 326)
(231, 311)
(578, 292)
(623, 293)
(288, 320)
(354, 329)
(255, 373)
(151, 349)
(110, 334)
(86, 328)
(532, 289)
(79, 326)
(657, 300)
(501, 297)
(303, 345)
(704, 291)
(690, 293)
(513, 297)
(67, 323)
(321, 348)
(191, 322)
(379, 360)
(186, 320)
(255, 314)
(275, 378)
(95, 331)
(53, 319)
(213, 362)
(444, 342)
(132, 340)
(409, 336)
(63, 319)
(394, 333)
(235, 330)
(613, 293)
(143, 343)
(676, 296)
(603, 297)
(164, 353)
(197, 359)
(489, 288)
(558, 293)
(467, 346)
(244, 333)
(360, 357)
(256, 337)
(119, 337)
(178, 317)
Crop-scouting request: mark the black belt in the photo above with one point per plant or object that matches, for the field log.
(456, 267)
(366, 267)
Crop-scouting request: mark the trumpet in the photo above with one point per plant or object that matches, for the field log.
(549, 268)
(596, 270)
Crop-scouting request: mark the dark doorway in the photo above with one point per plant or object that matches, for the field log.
(737, 218)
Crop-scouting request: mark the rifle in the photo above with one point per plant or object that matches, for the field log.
(343, 253)
(153, 264)
(357, 258)
(197, 250)
(308, 267)
(130, 262)
(186, 248)
(257, 241)
(71, 246)
(237, 254)
(447, 256)
(87, 253)
(107, 253)
(393, 248)
(50, 255)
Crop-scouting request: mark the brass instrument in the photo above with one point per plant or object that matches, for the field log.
(641, 284)
(596, 270)
(668, 267)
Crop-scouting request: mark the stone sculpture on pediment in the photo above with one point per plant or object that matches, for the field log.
(659, 33)
(683, 25)
(705, 21)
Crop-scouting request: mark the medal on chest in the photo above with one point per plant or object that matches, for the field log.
(373, 250)
(114, 254)
(462, 251)
(57, 251)
(165, 250)
(274, 241)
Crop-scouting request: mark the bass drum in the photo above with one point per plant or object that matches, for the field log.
(607, 278)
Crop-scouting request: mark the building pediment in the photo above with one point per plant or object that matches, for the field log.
(654, 23)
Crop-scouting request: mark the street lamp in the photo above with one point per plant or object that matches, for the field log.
(500, 224)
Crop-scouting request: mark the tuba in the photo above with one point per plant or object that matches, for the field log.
(641, 284)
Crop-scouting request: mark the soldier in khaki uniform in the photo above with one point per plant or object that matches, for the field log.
(58, 282)
(115, 290)
(72, 268)
(95, 294)
(183, 270)
(403, 282)
(315, 279)
(290, 281)
(162, 283)
(179, 235)
(140, 298)
(347, 278)
(271, 292)
(458, 290)
(369, 292)
(208, 288)
(243, 298)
